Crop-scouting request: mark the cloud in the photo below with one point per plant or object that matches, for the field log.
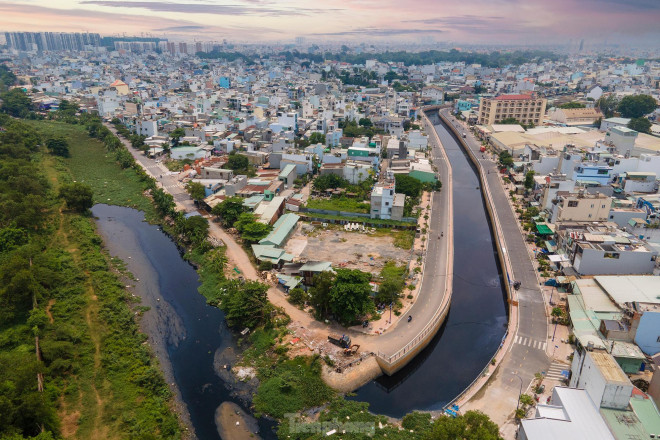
(181, 28)
(205, 8)
(379, 32)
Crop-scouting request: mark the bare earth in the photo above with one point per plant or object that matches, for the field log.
(352, 250)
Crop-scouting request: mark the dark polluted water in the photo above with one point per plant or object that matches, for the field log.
(477, 318)
(185, 332)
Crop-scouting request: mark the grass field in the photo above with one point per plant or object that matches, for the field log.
(91, 164)
(339, 204)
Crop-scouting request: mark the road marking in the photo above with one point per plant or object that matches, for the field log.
(554, 372)
(529, 342)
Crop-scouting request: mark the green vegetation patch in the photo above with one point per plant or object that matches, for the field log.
(293, 385)
(340, 204)
(91, 164)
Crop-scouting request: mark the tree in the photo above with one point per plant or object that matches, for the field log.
(176, 135)
(350, 296)
(607, 105)
(255, 231)
(16, 103)
(164, 201)
(251, 230)
(124, 158)
(406, 125)
(58, 146)
(319, 293)
(196, 229)
(297, 296)
(317, 138)
(636, 106)
(529, 180)
(11, 238)
(556, 312)
(505, 159)
(389, 290)
(237, 162)
(229, 210)
(112, 142)
(640, 124)
(244, 304)
(78, 196)
(365, 122)
(196, 190)
(408, 185)
(572, 104)
(329, 181)
(473, 425)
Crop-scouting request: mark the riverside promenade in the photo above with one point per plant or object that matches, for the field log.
(496, 391)
(400, 345)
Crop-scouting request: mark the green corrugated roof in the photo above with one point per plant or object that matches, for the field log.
(281, 230)
(319, 266)
(288, 169)
(423, 176)
(647, 413)
(270, 253)
(543, 229)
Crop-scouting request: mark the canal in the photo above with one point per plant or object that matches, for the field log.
(190, 337)
(477, 318)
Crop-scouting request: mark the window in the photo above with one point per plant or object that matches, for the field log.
(611, 217)
(572, 203)
(592, 205)
(387, 203)
(614, 255)
(658, 340)
(603, 171)
(589, 215)
(602, 206)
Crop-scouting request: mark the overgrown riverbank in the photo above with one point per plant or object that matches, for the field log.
(72, 358)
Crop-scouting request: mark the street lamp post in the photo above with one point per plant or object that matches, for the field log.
(555, 330)
(551, 293)
(519, 394)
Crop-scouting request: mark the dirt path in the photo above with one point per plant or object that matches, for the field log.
(99, 430)
(49, 313)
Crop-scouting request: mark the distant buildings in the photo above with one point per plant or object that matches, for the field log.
(32, 41)
(527, 109)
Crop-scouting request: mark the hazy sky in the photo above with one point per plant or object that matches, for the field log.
(471, 21)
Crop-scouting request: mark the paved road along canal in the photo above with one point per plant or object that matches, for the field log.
(477, 318)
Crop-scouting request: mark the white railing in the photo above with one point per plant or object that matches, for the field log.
(431, 327)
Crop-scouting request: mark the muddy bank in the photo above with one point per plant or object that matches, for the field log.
(160, 323)
(189, 337)
(235, 424)
(353, 378)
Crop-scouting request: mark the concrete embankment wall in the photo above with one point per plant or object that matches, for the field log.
(393, 363)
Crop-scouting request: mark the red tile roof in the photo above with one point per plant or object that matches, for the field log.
(512, 97)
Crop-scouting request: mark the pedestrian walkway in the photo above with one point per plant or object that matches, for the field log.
(529, 342)
(555, 371)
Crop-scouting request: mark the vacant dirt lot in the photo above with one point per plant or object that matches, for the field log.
(352, 250)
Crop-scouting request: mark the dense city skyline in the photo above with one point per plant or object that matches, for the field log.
(480, 21)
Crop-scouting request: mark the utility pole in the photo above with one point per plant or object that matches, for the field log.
(520, 393)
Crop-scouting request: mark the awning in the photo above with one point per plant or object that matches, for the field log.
(543, 229)
(551, 246)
